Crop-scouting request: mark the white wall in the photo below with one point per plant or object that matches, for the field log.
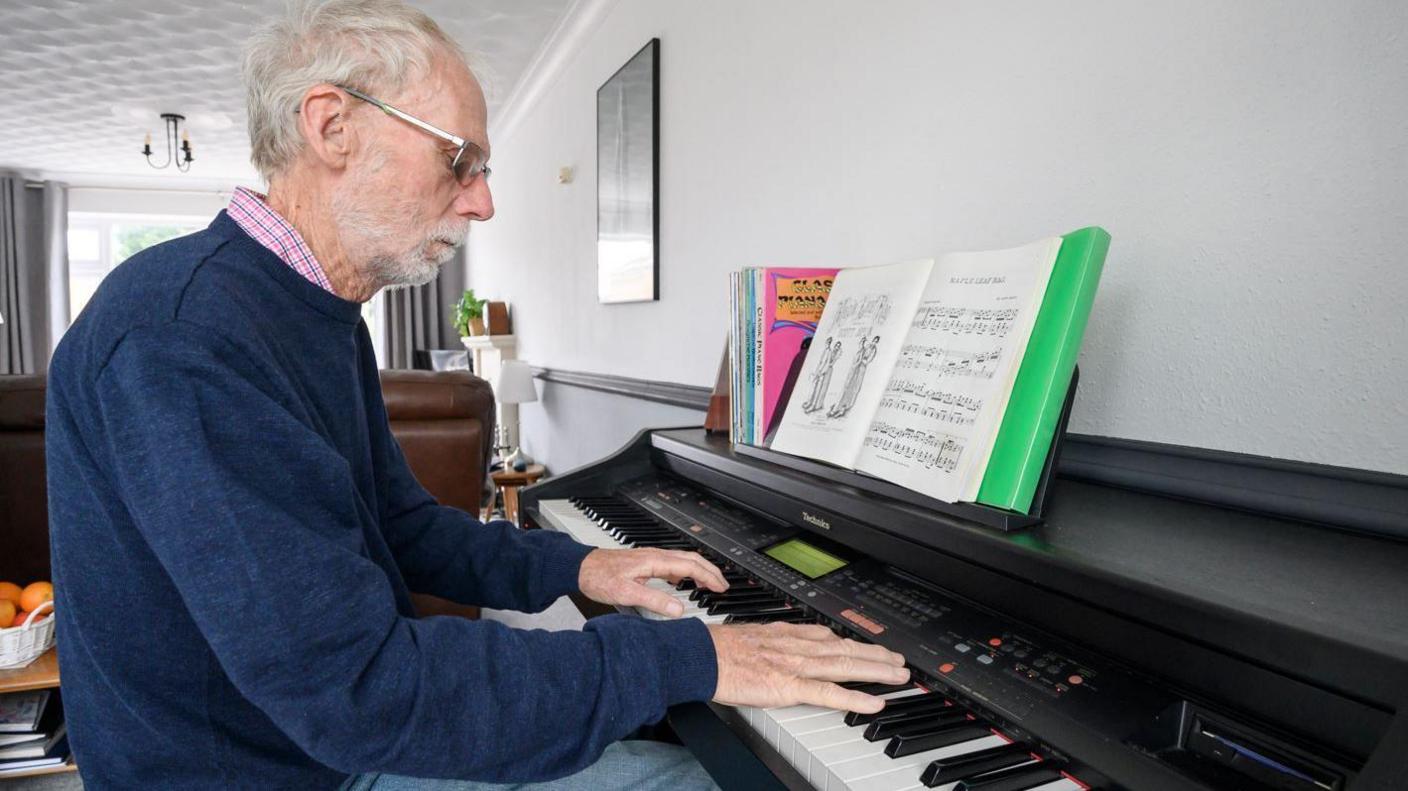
(1248, 158)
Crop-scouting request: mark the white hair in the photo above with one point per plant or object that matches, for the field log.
(377, 46)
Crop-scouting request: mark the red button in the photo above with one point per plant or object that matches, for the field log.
(1075, 680)
(946, 667)
(995, 642)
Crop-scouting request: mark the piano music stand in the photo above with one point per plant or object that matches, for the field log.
(987, 515)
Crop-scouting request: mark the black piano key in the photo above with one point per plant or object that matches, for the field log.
(890, 719)
(923, 701)
(781, 616)
(943, 736)
(686, 584)
(645, 535)
(875, 687)
(659, 543)
(609, 519)
(643, 530)
(748, 607)
(736, 593)
(914, 722)
(654, 540)
(740, 587)
(1016, 778)
(948, 770)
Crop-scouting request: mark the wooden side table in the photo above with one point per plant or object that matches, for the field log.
(509, 481)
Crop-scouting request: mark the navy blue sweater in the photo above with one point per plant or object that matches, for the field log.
(234, 534)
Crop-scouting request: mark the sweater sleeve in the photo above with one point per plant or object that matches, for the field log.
(447, 553)
(257, 521)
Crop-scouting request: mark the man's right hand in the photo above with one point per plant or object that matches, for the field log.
(782, 664)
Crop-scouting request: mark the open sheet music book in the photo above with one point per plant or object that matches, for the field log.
(912, 371)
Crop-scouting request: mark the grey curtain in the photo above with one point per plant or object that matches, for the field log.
(33, 273)
(421, 318)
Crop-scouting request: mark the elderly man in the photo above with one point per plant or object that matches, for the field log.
(235, 531)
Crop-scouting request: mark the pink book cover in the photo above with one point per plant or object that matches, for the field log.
(792, 307)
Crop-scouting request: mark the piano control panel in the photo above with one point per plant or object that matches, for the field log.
(955, 644)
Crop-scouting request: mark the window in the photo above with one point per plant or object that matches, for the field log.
(97, 243)
(374, 314)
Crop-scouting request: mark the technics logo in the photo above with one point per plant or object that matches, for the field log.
(816, 520)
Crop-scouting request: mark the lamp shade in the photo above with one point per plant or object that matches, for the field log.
(516, 383)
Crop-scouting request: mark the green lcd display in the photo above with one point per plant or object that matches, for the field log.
(805, 558)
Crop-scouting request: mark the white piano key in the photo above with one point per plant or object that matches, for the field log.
(848, 738)
(902, 780)
(814, 718)
(775, 718)
(1064, 784)
(750, 715)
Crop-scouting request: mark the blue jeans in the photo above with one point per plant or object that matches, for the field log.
(649, 766)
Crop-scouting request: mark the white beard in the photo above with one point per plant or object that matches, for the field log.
(420, 264)
(373, 234)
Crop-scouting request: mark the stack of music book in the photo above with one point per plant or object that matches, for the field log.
(774, 310)
(32, 732)
(945, 376)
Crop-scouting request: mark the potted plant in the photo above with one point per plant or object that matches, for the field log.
(469, 314)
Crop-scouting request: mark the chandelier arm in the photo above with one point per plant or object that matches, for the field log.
(167, 163)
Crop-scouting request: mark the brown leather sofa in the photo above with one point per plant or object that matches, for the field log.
(24, 506)
(444, 422)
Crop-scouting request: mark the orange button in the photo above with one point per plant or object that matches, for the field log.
(946, 667)
(696, 529)
(862, 621)
(995, 642)
(1076, 680)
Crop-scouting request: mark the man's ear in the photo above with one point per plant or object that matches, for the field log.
(322, 120)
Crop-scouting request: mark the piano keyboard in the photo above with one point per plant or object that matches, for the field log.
(919, 740)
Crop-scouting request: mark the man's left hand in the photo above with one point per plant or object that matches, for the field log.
(618, 576)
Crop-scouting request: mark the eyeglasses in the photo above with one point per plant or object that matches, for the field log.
(469, 160)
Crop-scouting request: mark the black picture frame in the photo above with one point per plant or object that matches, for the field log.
(628, 180)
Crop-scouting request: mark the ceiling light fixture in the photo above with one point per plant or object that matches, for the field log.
(182, 156)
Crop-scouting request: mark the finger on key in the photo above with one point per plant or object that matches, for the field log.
(849, 668)
(823, 693)
(689, 564)
(809, 631)
(638, 595)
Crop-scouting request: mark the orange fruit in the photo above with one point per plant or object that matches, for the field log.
(7, 612)
(35, 594)
(10, 591)
(20, 615)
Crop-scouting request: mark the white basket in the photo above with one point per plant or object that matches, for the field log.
(20, 645)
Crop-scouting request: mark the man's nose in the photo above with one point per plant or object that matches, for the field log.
(475, 201)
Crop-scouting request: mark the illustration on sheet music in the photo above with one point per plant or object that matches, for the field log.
(854, 349)
(855, 379)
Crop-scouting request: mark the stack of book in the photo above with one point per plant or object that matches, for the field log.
(774, 310)
(32, 734)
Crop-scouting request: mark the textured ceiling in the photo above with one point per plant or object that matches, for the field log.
(82, 81)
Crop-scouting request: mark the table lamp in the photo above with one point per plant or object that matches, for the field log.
(516, 387)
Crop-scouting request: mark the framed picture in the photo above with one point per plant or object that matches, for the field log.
(628, 180)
